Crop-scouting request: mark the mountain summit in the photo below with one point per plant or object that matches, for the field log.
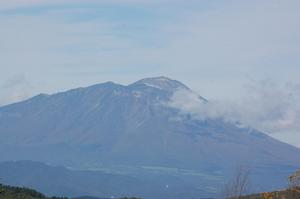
(163, 83)
(129, 129)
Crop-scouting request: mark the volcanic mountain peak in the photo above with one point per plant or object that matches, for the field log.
(163, 83)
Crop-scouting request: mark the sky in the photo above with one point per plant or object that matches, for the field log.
(231, 52)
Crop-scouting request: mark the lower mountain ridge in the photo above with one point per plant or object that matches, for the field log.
(13, 192)
(60, 181)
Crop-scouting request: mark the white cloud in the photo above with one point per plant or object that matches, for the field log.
(15, 89)
(50, 49)
(265, 105)
(227, 43)
(12, 4)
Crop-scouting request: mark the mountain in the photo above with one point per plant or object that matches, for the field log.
(130, 129)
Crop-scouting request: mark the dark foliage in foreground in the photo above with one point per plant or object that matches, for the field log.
(10, 192)
(286, 194)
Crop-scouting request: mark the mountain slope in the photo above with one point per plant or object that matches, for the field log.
(110, 125)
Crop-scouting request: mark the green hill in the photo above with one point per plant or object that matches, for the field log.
(10, 192)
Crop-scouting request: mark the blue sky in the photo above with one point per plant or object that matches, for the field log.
(216, 47)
